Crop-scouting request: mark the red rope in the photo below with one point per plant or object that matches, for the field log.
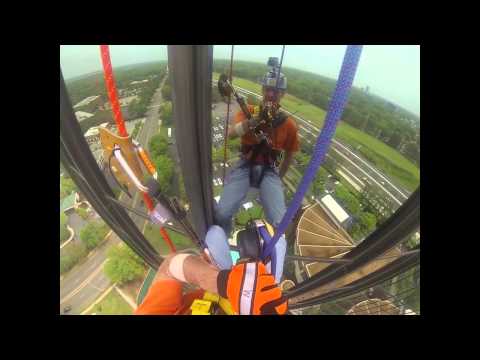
(117, 115)
(112, 90)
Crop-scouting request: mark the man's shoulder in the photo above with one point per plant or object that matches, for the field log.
(291, 124)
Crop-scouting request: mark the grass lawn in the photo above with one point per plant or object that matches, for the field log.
(152, 234)
(387, 159)
(113, 304)
(243, 216)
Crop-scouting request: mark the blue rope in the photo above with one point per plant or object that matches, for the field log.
(336, 106)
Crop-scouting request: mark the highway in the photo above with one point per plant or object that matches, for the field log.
(358, 167)
(85, 282)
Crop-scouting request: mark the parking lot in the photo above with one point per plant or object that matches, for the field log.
(219, 113)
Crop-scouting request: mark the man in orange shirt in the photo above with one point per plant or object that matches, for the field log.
(259, 164)
(250, 289)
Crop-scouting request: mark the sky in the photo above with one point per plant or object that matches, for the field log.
(391, 71)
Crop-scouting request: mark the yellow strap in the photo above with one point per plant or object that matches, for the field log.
(222, 302)
(201, 307)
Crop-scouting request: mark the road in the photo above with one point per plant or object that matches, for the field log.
(356, 165)
(81, 286)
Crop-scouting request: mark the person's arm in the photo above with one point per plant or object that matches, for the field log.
(287, 160)
(240, 128)
(165, 295)
(193, 268)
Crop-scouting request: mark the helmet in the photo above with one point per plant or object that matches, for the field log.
(270, 78)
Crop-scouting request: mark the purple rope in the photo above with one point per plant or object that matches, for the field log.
(335, 109)
(266, 237)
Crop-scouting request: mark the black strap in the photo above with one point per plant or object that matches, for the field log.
(279, 119)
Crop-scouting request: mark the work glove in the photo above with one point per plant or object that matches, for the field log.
(251, 290)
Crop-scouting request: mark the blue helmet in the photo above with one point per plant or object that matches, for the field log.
(270, 78)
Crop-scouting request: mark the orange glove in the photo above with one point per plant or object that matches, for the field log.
(251, 290)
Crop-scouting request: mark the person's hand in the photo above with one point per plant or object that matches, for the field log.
(251, 290)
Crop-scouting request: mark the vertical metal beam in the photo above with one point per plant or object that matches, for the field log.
(191, 80)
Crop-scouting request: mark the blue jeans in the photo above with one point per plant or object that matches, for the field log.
(237, 184)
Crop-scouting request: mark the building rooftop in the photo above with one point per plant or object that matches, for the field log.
(82, 115)
(335, 209)
(87, 101)
(68, 202)
(138, 82)
(94, 129)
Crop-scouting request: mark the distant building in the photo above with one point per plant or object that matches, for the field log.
(82, 115)
(93, 134)
(87, 101)
(125, 101)
(169, 132)
(99, 158)
(70, 202)
(335, 210)
(139, 82)
(319, 235)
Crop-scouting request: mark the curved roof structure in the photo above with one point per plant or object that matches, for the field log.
(374, 307)
(319, 234)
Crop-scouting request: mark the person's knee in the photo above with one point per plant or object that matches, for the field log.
(217, 244)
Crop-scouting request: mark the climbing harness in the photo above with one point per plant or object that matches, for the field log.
(267, 117)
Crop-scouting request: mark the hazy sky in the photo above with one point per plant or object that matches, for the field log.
(391, 71)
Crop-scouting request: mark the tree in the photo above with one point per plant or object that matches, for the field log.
(82, 213)
(347, 199)
(165, 170)
(395, 139)
(167, 91)
(368, 222)
(133, 108)
(67, 186)
(93, 233)
(123, 265)
(166, 113)
(72, 256)
(64, 233)
(158, 145)
(303, 160)
(217, 154)
(412, 151)
(318, 185)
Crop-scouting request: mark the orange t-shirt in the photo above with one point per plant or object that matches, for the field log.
(165, 298)
(284, 137)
